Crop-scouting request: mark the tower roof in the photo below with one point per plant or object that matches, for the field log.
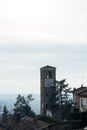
(48, 67)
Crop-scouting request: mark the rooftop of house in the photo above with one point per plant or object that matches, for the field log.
(27, 123)
(81, 91)
(33, 123)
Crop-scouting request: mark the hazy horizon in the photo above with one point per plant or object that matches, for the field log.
(10, 99)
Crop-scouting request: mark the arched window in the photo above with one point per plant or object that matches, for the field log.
(49, 75)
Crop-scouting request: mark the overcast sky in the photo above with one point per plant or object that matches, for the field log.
(35, 33)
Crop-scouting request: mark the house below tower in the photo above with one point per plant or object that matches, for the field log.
(80, 98)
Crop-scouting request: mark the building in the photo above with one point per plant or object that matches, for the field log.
(80, 98)
(47, 83)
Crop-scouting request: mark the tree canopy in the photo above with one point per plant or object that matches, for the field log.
(61, 101)
(4, 115)
(22, 106)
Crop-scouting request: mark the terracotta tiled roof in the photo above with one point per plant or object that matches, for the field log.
(80, 90)
(26, 123)
(83, 93)
(29, 123)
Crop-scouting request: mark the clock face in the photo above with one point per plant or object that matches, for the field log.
(49, 82)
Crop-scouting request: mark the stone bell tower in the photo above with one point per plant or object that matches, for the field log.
(47, 82)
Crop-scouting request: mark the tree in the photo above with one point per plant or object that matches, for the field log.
(63, 92)
(5, 115)
(61, 101)
(22, 107)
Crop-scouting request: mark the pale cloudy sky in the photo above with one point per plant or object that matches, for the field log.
(35, 33)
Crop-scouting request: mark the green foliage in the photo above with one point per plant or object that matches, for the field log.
(22, 101)
(22, 106)
(63, 92)
(74, 116)
(4, 115)
(46, 119)
(61, 99)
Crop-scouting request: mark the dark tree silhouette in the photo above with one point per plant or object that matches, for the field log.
(61, 101)
(22, 107)
(4, 115)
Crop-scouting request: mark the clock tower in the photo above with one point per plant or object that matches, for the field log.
(47, 83)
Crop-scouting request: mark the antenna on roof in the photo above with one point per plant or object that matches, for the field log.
(82, 81)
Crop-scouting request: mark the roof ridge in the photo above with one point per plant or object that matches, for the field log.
(48, 66)
(83, 90)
